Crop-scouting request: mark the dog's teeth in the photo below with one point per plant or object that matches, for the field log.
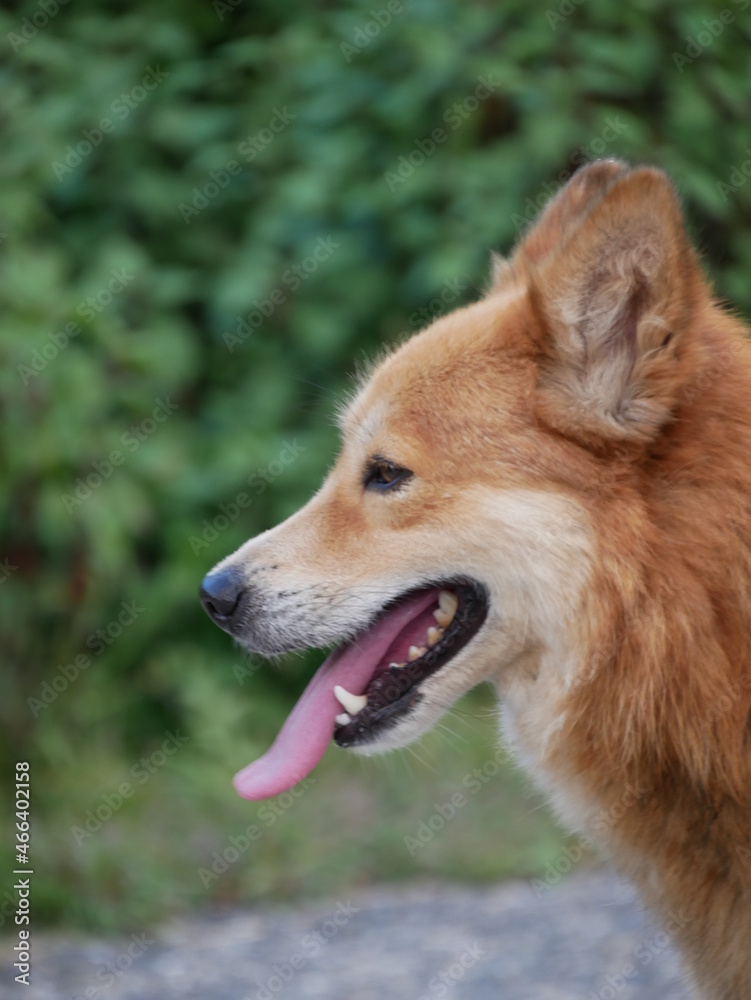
(343, 719)
(434, 634)
(447, 605)
(448, 602)
(352, 703)
(415, 652)
(397, 666)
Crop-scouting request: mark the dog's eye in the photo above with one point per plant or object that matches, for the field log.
(381, 474)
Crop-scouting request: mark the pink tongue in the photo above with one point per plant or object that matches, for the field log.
(303, 738)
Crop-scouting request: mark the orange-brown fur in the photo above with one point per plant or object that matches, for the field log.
(666, 702)
(599, 375)
(668, 707)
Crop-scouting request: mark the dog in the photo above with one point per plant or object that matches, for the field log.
(549, 489)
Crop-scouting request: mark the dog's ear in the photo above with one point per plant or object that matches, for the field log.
(613, 300)
(563, 212)
(556, 220)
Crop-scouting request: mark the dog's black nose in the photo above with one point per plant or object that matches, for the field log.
(221, 593)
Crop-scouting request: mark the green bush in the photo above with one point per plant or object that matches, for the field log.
(213, 212)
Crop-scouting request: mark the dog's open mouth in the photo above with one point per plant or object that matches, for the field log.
(368, 684)
(438, 631)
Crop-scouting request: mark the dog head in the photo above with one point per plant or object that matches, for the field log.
(452, 540)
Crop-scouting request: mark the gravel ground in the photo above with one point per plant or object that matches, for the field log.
(424, 940)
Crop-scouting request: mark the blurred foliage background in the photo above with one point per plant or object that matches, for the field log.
(209, 213)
